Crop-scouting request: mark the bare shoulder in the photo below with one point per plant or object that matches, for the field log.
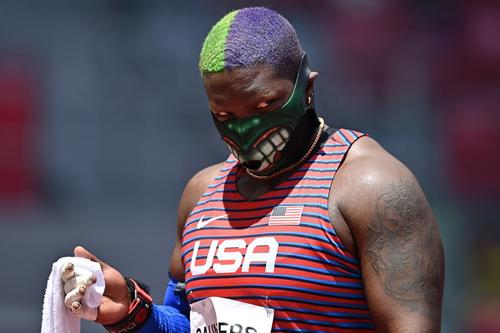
(369, 155)
(195, 188)
(372, 182)
(367, 172)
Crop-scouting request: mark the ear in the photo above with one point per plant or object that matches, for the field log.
(310, 86)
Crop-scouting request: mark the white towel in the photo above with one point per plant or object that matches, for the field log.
(56, 317)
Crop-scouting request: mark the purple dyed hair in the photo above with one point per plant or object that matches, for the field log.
(259, 35)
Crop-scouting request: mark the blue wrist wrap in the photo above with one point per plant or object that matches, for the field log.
(165, 319)
(175, 296)
(171, 317)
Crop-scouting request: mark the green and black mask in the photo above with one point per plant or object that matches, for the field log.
(263, 143)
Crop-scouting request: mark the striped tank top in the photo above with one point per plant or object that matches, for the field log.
(279, 250)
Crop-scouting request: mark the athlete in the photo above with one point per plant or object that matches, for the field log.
(320, 226)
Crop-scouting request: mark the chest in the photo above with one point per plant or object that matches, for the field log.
(281, 244)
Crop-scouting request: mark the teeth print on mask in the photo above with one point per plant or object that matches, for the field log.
(262, 156)
(258, 140)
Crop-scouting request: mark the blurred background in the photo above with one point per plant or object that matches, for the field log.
(103, 119)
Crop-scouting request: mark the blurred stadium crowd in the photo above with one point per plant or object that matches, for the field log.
(103, 119)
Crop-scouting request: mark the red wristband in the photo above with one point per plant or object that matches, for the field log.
(138, 312)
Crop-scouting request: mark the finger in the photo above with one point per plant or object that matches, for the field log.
(82, 252)
(67, 271)
(85, 279)
(76, 307)
(73, 296)
(78, 282)
(84, 311)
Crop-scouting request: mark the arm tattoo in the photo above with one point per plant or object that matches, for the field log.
(404, 249)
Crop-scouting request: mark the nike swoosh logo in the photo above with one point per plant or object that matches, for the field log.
(202, 223)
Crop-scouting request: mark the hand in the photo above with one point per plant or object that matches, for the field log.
(115, 302)
(76, 280)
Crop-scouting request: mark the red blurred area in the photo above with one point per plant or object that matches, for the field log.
(368, 39)
(469, 96)
(17, 121)
(472, 143)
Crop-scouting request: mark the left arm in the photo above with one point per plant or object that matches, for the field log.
(397, 240)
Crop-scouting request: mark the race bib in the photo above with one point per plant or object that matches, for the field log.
(222, 315)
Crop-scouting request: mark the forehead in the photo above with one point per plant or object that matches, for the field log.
(255, 81)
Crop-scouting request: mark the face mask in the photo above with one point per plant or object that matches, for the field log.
(258, 142)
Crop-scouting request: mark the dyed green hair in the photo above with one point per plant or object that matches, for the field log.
(251, 36)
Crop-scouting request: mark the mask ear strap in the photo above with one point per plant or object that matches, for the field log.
(303, 75)
(304, 66)
(300, 78)
(303, 72)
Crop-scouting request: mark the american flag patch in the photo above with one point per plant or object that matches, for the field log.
(286, 215)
